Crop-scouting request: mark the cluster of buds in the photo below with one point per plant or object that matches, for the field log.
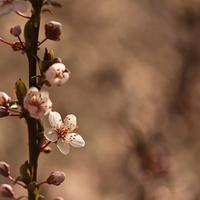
(55, 178)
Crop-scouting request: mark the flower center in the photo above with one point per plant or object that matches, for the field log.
(62, 132)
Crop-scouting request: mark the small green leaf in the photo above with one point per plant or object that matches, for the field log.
(20, 91)
(19, 178)
(39, 126)
(48, 54)
(44, 66)
(27, 31)
(26, 171)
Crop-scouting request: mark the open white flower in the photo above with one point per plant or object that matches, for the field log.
(62, 132)
(37, 103)
(16, 5)
(57, 74)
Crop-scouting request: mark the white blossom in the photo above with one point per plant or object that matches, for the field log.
(57, 74)
(16, 5)
(62, 132)
(37, 103)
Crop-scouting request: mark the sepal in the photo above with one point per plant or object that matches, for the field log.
(19, 178)
(27, 171)
(47, 61)
(32, 187)
(48, 54)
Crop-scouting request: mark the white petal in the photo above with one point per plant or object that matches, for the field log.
(5, 9)
(44, 95)
(57, 74)
(58, 66)
(50, 135)
(63, 146)
(33, 89)
(70, 121)
(55, 119)
(20, 6)
(75, 140)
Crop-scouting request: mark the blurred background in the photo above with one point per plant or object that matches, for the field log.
(135, 89)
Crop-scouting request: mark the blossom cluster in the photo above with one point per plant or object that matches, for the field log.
(34, 103)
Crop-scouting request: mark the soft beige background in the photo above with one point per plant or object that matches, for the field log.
(135, 89)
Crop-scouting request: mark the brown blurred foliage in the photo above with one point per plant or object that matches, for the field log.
(135, 88)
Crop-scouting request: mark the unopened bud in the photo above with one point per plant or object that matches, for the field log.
(56, 178)
(57, 74)
(4, 99)
(58, 198)
(4, 169)
(16, 30)
(4, 111)
(44, 146)
(53, 30)
(57, 60)
(6, 191)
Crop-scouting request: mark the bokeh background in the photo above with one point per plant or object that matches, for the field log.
(135, 89)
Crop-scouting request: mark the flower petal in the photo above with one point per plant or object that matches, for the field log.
(50, 134)
(63, 146)
(75, 140)
(5, 9)
(20, 6)
(32, 89)
(55, 119)
(70, 122)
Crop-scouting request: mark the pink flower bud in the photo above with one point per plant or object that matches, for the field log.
(56, 178)
(4, 169)
(6, 191)
(53, 30)
(58, 198)
(4, 99)
(16, 31)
